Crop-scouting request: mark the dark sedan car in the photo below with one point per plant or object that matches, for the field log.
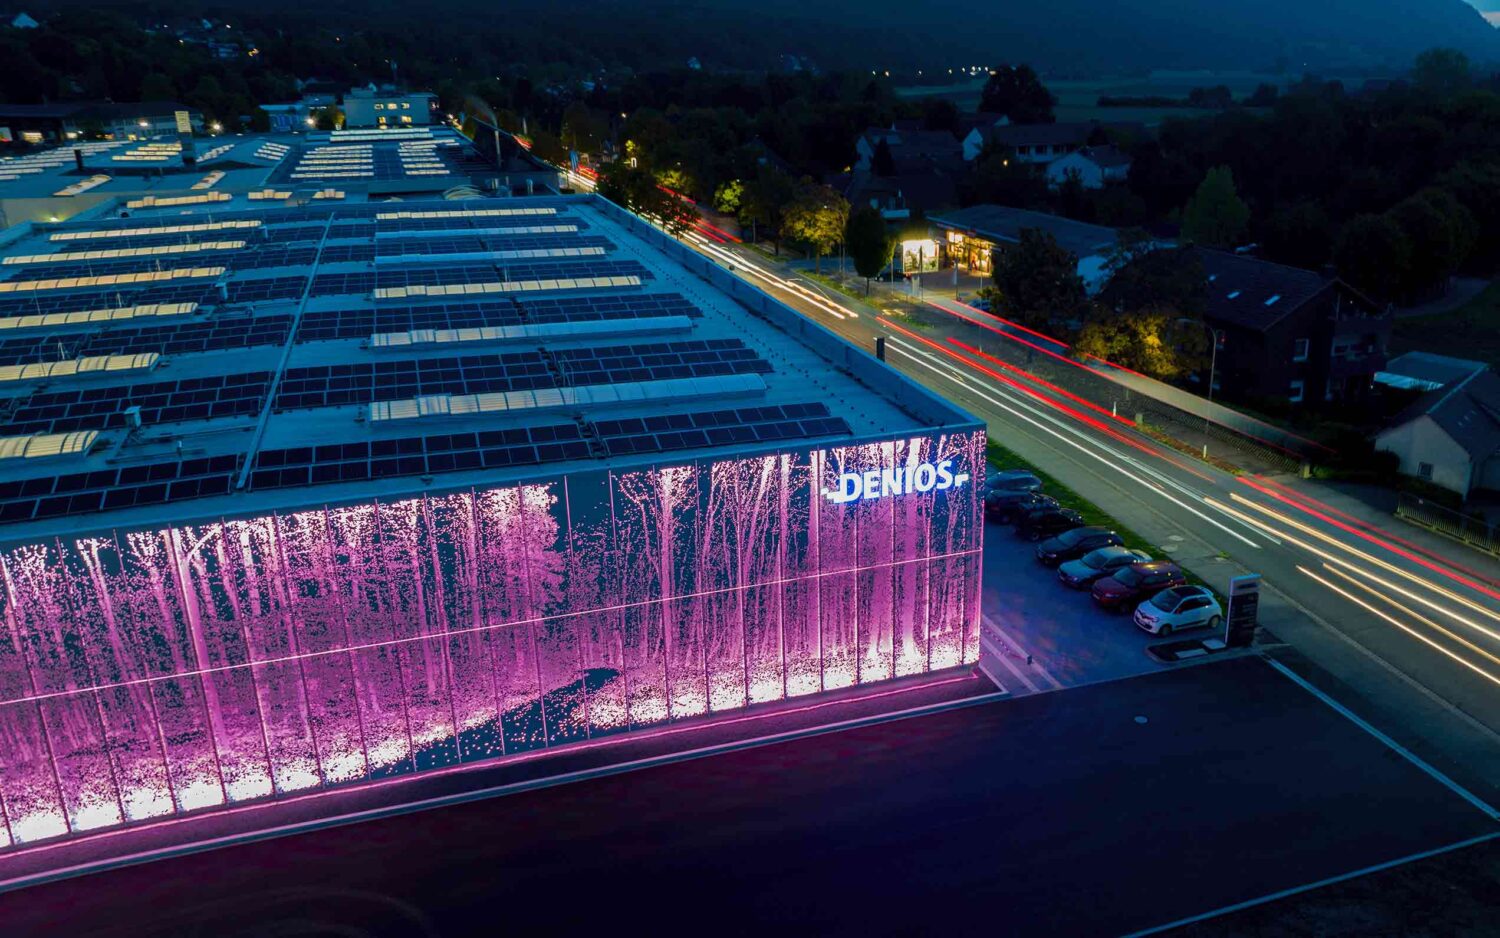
(1047, 522)
(1083, 572)
(1075, 543)
(1012, 480)
(1136, 582)
(1006, 505)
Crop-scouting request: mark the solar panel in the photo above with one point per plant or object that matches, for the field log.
(409, 456)
(264, 289)
(365, 382)
(101, 408)
(362, 323)
(130, 486)
(659, 361)
(668, 432)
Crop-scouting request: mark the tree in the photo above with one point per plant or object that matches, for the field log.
(1215, 215)
(1373, 254)
(999, 178)
(1265, 95)
(327, 118)
(883, 163)
(817, 216)
(1017, 92)
(729, 198)
(1441, 233)
(636, 188)
(581, 130)
(1154, 342)
(1037, 281)
(1299, 234)
(157, 87)
(869, 242)
(1476, 186)
(1442, 72)
(1146, 276)
(766, 199)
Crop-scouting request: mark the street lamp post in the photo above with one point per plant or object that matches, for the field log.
(1214, 335)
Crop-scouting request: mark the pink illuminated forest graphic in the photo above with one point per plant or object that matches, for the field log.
(144, 674)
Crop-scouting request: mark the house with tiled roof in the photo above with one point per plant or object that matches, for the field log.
(1451, 436)
(1291, 335)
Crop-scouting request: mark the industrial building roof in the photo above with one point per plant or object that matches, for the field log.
(1003, 223)
(190, 362)
(239, 171)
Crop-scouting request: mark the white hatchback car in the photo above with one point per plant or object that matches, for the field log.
(1181, 607)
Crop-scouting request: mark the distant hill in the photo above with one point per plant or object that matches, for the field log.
(1072, 36)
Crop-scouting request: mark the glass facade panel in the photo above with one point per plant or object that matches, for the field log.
(149, 673)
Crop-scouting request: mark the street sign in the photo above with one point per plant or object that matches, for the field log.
(1244, 604)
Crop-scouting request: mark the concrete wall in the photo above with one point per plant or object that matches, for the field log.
(1422, 440)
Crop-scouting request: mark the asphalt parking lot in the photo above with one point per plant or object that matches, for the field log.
(1071, 640)
(1111, 808)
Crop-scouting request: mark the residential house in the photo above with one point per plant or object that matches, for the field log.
(1094, 166)
(1040, 144)
(1451, 435)
(973, 236)
(923, 175)
(1424, 371)
(1291, 335)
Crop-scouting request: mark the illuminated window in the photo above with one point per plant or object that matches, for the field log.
(1295, 393)
(1300, 349)
(379, 107)
(406, 118)
(406, 105)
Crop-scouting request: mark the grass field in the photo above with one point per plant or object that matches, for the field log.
(1078, 100)
(1471, 331)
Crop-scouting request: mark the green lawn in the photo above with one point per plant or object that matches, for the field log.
(1471, 331)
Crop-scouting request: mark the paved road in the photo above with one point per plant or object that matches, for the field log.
(1411, 625)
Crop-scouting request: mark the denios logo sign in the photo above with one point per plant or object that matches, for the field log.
(878, 483)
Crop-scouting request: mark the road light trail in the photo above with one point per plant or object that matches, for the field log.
(1408, 630)
(1332, 558)
(1494, 659)
(1443, 566)
(1010, 405)
(1370, 558)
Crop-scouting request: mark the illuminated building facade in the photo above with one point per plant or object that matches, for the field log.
(622, 504)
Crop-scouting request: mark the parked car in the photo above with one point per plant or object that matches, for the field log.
(1012, 479)
(1098, 563)
(1049, 521)
(1178, 608)
(1006, 505)
(1128, 585)
(1075, 543)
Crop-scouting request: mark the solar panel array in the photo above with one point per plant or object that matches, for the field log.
(265, 289)
(206, 335)
(667, 432)
(154, 483)
(356, 237)
(102, 408)
(476, 244)
(358, 283)
(66, 301)
(271, 255)
(659, 361)
(415, 456)
(364, 382)
(319, 325)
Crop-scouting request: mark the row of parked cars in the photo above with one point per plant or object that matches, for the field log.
(1096, 559)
